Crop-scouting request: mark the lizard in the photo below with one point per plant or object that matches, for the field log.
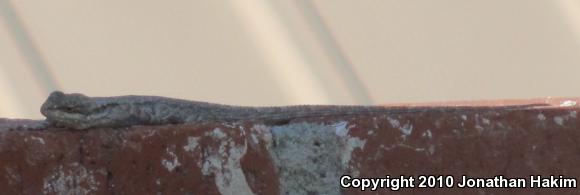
(78, 111)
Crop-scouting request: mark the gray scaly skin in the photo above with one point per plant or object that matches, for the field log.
(78, 111)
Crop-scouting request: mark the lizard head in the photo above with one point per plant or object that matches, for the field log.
(67, 109)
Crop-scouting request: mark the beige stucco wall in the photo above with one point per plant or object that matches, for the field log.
(260, 52)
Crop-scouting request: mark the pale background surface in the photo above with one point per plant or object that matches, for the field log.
(261, 52)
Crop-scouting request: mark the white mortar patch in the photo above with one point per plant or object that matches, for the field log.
(559, 120)
(192, 143)
(485, 121)
(340, 128)
(73, 179)
(351, 144)
(172, 163)
(224, 164)
(573, 113)
(427, 134)
(541, 117)
(39, 139)
(406, 129)
(310, 157)
(218, 133)
(568, 103)
(394, 122)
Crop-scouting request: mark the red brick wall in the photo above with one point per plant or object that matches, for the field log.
(306, 156)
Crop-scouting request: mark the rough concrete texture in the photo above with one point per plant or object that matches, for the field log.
(303, 156)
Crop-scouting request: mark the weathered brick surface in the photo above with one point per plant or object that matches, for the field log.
(305, 156)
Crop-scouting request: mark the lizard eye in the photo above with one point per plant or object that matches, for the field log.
(68, 108)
